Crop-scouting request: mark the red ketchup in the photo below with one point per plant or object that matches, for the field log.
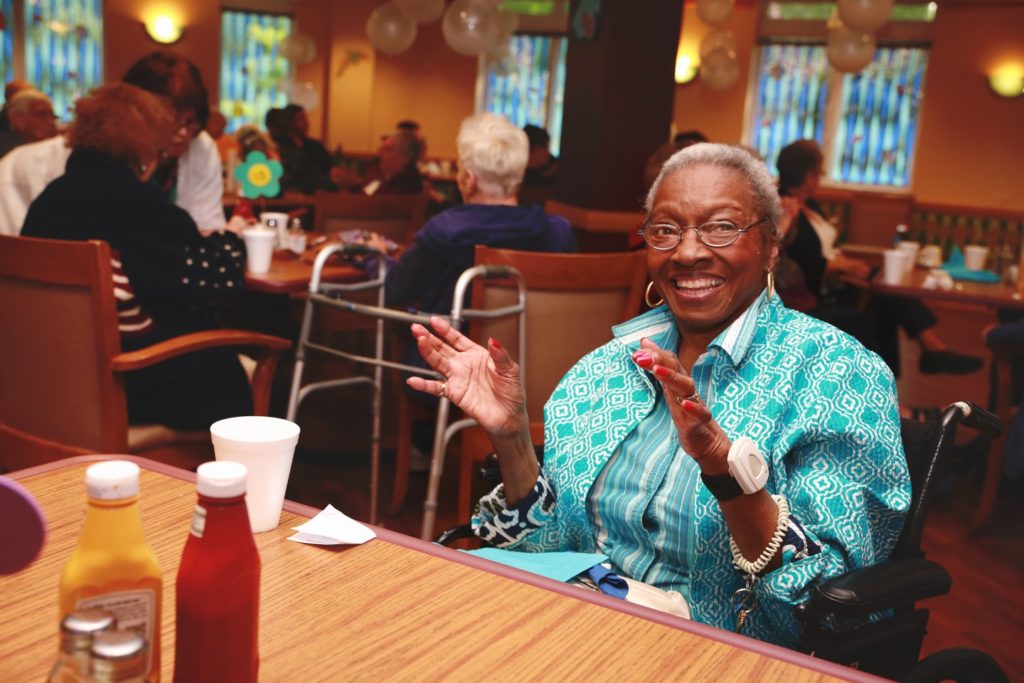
(218, 588)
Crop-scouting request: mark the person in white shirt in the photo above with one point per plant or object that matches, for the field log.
(190, 172)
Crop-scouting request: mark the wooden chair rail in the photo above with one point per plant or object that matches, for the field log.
(257, 345)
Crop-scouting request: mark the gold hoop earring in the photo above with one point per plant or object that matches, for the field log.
(647, 296)
(771, 284)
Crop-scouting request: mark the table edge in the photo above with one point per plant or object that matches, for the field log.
(433, 549)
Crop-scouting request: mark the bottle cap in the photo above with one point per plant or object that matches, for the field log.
(221, 479)
(112, 480)
(118, 654)
(78, 627)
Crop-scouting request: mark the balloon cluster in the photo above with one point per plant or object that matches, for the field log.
(719, 65)
(851, 37)
(470, 27)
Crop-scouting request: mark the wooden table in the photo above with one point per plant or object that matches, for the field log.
(395, 608)
(289, 273)
(990, 295)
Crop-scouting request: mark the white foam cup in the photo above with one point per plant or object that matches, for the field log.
(975, 257)
(911, 249)
(259, 249)
(265, 445)
(278, 222)
(895, 266)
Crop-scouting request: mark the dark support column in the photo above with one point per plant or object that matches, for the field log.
(618, 103)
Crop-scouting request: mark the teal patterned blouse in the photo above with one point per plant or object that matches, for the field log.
(820, 407)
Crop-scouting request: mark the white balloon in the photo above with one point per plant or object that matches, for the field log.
(299, 48)
(305, 95)
(864, 16)
(714, 12)
(719, 69)
(470, 27)
(422, 11)
(390, 30)
(850, 51)
(717, 39)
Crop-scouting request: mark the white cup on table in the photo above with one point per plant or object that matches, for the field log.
(265, 445)
(911, 249)
(278, 222)
(894, 266)
(975, 257)
(259, 248)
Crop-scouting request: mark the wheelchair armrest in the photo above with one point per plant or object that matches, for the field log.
(881, 586)
(454, 534)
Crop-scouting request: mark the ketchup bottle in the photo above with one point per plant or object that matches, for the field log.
(218, 587)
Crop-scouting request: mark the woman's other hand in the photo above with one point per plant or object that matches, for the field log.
(377, 243)
(699, 434)
(483, 382)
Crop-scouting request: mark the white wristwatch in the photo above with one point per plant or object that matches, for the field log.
(747, 466)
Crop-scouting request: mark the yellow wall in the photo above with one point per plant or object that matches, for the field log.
(970, 141)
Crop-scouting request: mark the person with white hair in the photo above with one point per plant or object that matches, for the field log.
(492, 160)
(30, 119)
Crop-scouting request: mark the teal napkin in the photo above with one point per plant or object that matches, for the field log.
(956, 269)
(560, 566)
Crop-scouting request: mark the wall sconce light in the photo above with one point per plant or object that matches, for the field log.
(1007, 81)
(163, 29)
(686, 68)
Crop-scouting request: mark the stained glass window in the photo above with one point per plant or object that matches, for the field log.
(792, 94)
(64, 49)
(877, 127)
(528, 85)
(6, 41)
(254, 75)
(867, 132)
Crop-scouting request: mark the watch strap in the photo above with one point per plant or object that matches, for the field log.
(722, 486)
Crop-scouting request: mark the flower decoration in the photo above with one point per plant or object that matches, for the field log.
(259, 176)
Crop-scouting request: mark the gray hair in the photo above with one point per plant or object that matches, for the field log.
(762, 187)
(495, 152)
(23, 98)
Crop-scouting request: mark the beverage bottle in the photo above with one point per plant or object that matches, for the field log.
(113, 567)
(218, 588)
(118, 656)
(902, 234)
(76, 633)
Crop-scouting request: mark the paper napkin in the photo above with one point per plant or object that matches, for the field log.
(332, 527)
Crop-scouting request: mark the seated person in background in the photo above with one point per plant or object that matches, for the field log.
(307, 163)
(661, 155)
(216, 127)
(30, 119)
(542, 165)
(810, 244)
(251, 139)
(10, 90)
(413, 128)
(398, 156)
(168, 278)
(638, 433)
(492, 159)
(190, 166)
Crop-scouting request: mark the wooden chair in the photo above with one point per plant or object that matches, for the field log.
(61, 388)
(1000, 402)
(396, 217)
(572, 301)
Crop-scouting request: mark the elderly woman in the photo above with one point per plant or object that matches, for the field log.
(168, 278)
(656, 443)
(810, 243)
(492, 160)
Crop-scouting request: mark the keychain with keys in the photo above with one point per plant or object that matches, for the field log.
(743, 602)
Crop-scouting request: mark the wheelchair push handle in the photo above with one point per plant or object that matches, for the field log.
(974, 416)
(491, 272)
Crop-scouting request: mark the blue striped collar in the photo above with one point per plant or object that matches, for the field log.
(659, 326)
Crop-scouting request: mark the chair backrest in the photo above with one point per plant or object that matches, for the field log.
(572, 301)
(60, 334)
(396, 217)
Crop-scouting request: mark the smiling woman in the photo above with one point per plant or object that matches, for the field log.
(716, 446)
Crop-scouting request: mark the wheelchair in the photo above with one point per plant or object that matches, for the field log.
(868, 618)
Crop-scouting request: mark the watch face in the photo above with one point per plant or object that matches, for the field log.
(755, 464)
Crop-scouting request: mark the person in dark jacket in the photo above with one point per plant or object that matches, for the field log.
(168, 278)
(810, 243)
(492, 160)
(307, 163)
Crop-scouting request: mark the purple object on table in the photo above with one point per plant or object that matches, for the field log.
(23, 529)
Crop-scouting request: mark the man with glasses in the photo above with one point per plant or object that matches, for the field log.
(30, 119)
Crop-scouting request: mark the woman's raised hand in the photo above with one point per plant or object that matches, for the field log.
(699, 434)
(483, 382)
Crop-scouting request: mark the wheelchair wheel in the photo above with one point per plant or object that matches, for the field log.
(960, 664)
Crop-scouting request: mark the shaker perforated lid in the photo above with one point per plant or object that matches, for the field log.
(112, 480)
(221, 479)
(118, 655)
(78, 628)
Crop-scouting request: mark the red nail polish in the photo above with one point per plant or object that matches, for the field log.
(494, 343)
(688, 406)
(642, 359)
(661, 371)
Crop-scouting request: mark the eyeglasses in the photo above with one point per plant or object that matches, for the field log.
(715, 234)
